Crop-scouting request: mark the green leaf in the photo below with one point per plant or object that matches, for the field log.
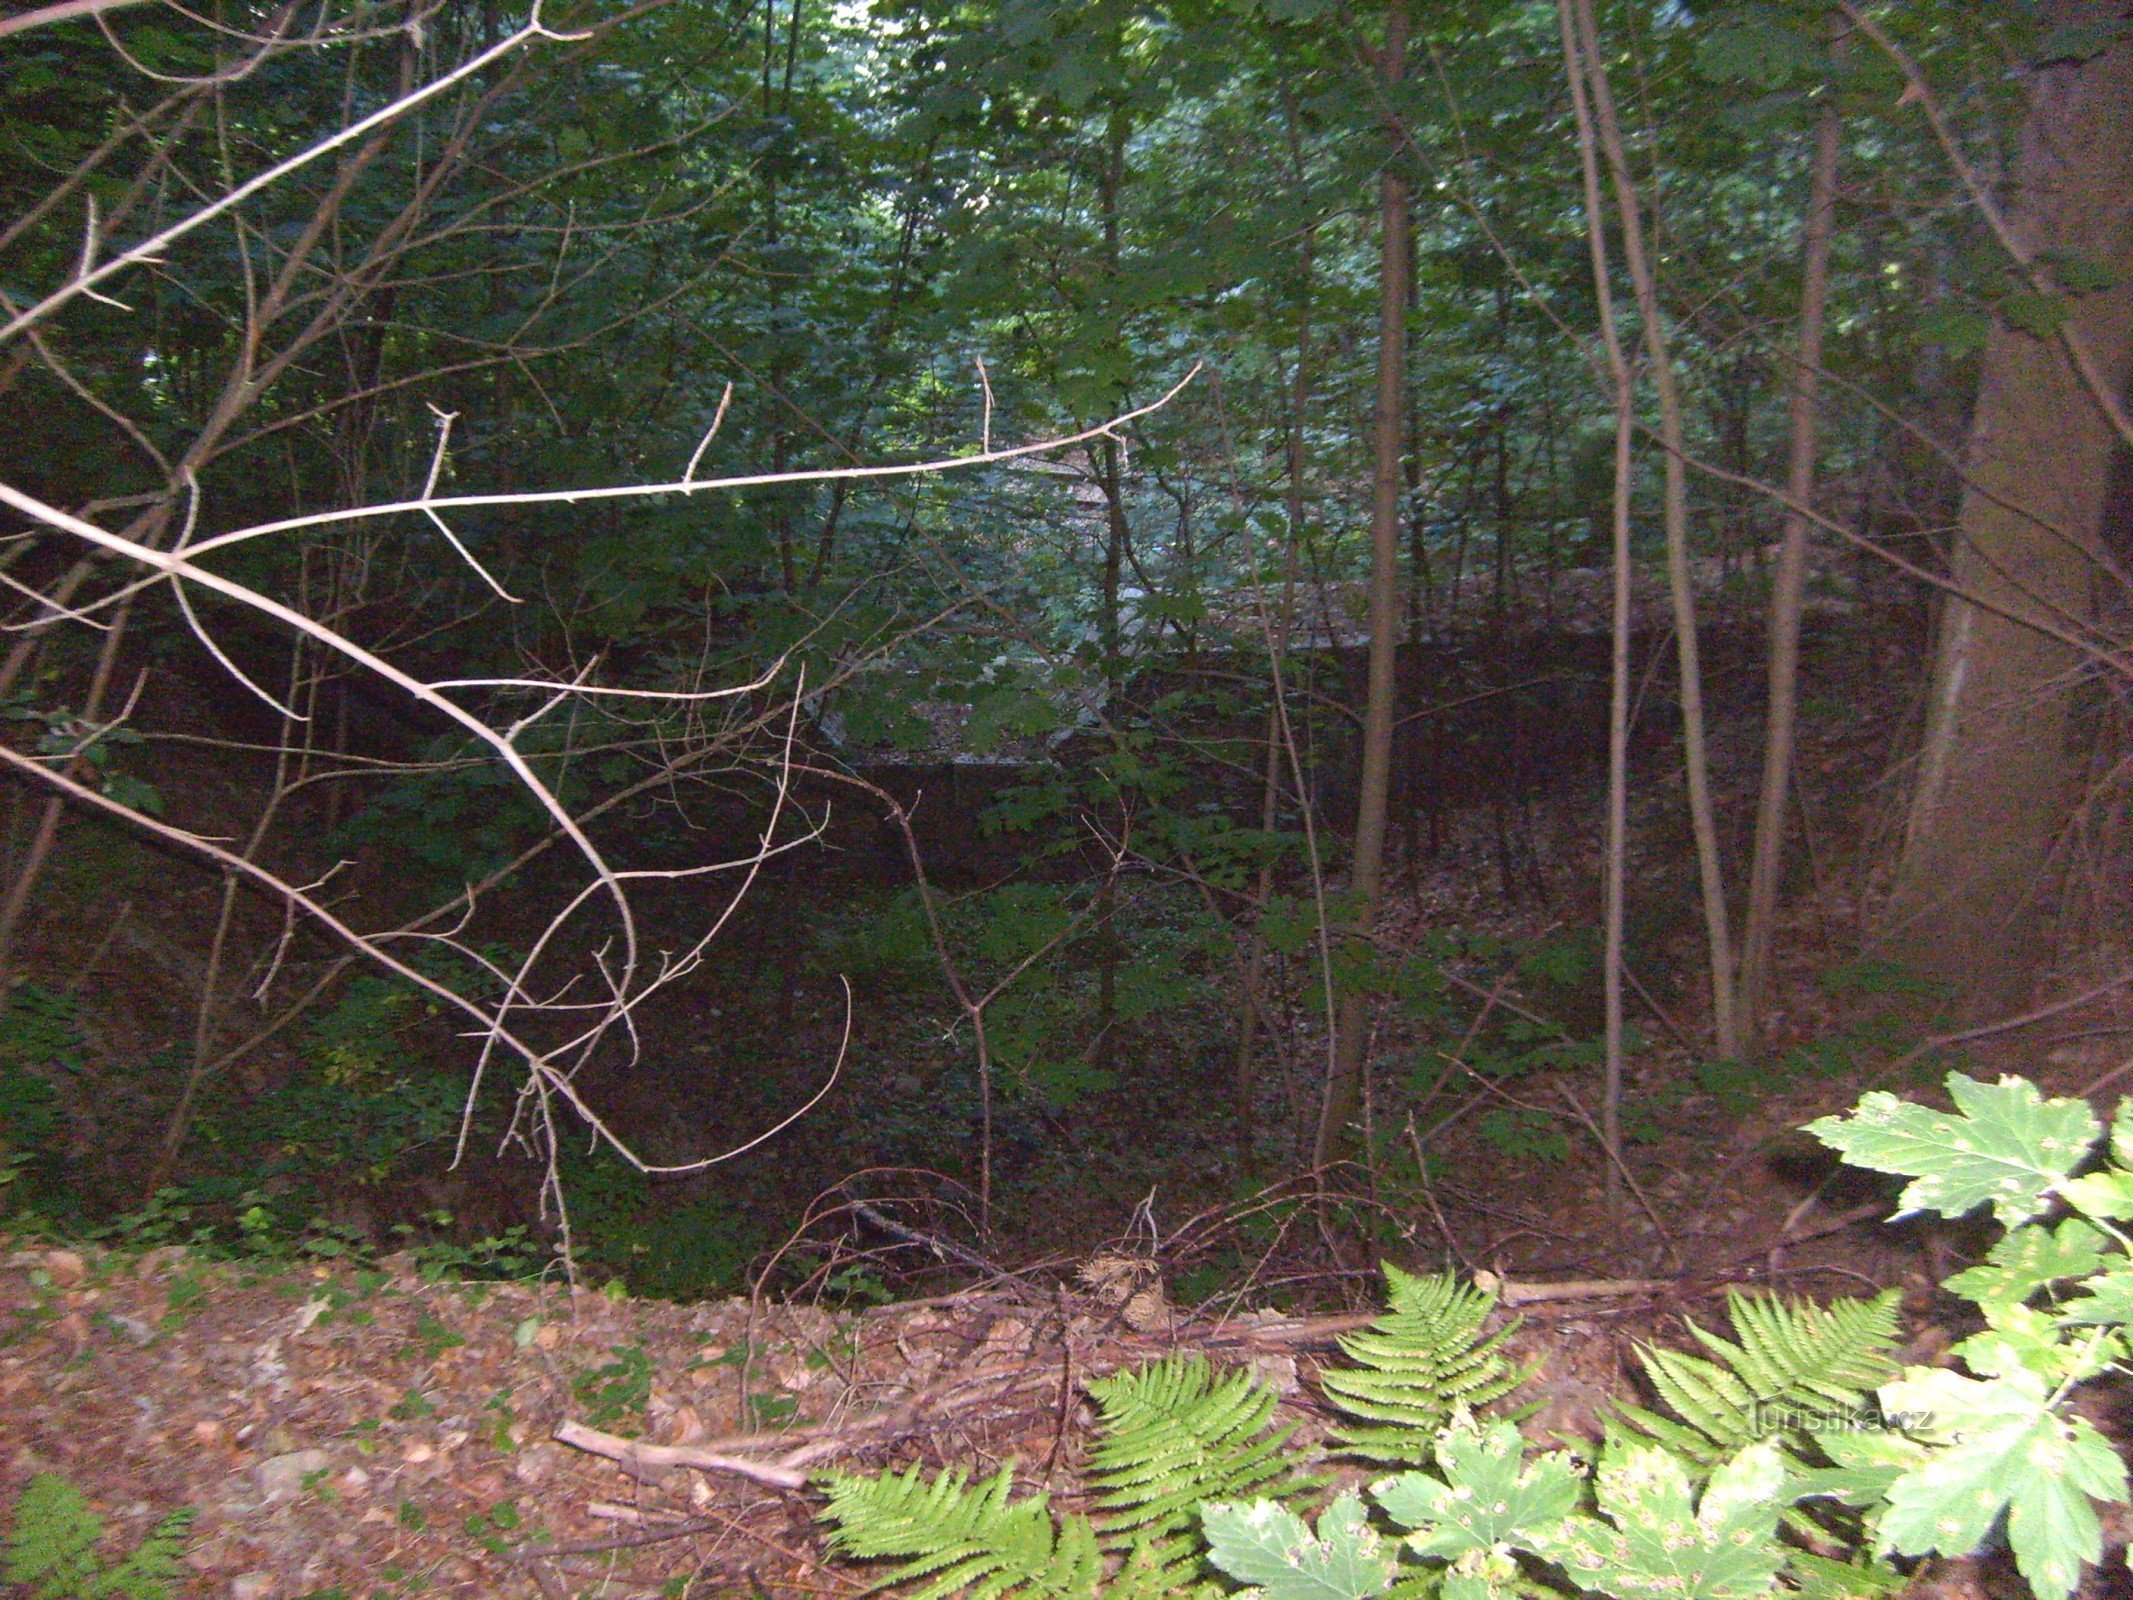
(2003, 1144)
(1821, 1578)
(2104, 1195)
(2039, 315)
(2027, 1259)
(2109, 1299)
(2122, 1133)
(2009, 1452)
(150, 1571)
(1960, 330)
(1272, 1548)
(2019, 1338)
(1656, 1545)
(1489, 1494)
(1867, 1462)
(132, 793)
(1754, 45)
(51, 1549)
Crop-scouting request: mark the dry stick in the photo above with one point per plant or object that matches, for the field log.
(181, 565)
(148, 250)
(1789, 591)
(1429, 1193)
(643, 1460)
(1628, 1177)
(87, 970)
(62, 11)
(1643, 274)
(1656, 1008)
(1614, 876)
(2009, 1024)
(549, 1080)
(943, 1249)
(1511, 1293)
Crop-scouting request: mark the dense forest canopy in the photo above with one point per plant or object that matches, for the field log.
(626, 617)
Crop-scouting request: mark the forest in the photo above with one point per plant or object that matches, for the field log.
(835, 651)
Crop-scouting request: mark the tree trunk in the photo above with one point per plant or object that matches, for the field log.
(1788, 591)
(1344, 1081)
(1995, 777)
(1614, 876)
(1643, 270)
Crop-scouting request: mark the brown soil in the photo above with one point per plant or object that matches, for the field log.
(366, 1433)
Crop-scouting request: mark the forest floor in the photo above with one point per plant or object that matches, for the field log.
(349, 1432)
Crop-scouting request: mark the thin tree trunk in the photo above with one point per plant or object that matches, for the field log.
(1614, 876)
(1644, 279)
(1247, 1079)
(1789, 589)
(1105, 1053)
(1344, 1081)
(1117, 534)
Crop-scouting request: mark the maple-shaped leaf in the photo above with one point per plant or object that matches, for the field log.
(2026, 1259)
(1866, 1461)
(1273, 1549)
(1659, 1544)
(1489, 1494)
(1483, 1575)
(2004, 1144)
(2107, 1196)
(2009, 1452)
(2109, 1299)
(2019, 1337)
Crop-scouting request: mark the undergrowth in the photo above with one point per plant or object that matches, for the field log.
(1793, 1457)
(52, 1549)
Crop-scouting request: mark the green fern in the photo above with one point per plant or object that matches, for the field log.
(964, 1535)
(1176, 1434)
(51, 1550)
(1796, 1365)
(1415, 1364)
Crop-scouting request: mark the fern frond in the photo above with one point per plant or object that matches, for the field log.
(1176, 1434)
(51, 1549)
(1415, 1364)
(1795, 1362)
(964, 1536)
(150, 1571)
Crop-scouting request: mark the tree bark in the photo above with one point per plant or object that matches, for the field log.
(1614, 876)
(1788, 591)
(1995, 778)
(1644, 278)
(1344, 1081)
